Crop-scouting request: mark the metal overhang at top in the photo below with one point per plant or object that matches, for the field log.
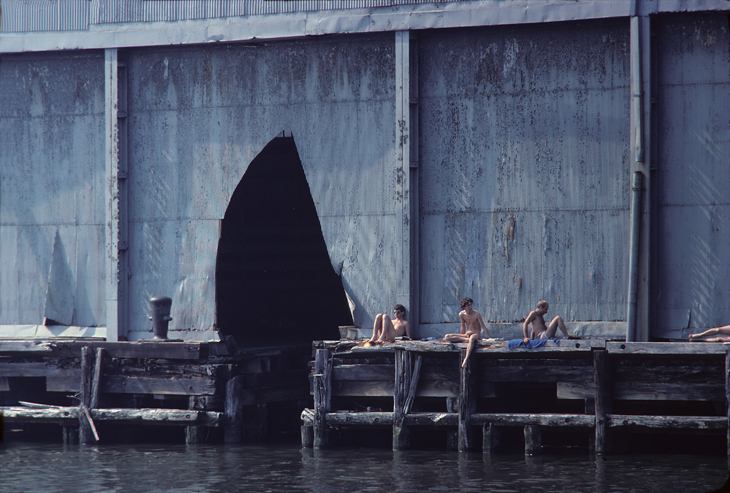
(43, 25)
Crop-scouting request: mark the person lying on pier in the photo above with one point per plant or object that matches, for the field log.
(472, 325)
(538, 329)
(386, 330)
(722, 333)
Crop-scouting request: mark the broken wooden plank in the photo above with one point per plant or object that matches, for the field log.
(643, 391)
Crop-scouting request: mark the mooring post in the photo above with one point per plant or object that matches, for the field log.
(233, 410)
(400, 396)
(490, 438)
(727, 395)
(467, 403)
(602, 382)
(533, 440)
(322, 380)
(590, 409)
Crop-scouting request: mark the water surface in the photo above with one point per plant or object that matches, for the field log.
(54, 468)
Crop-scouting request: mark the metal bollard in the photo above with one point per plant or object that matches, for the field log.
(160, 307)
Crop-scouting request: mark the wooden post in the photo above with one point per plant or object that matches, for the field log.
(194, 434)
(590, 408)
(727, 394)
(602, 382)
(400, 397)
(233, 410)
(85, 396)
(533, 441)
(490, 438)
(452, 436)
(307, 436)
(322, 380)
(467, 403)
(96, 382)
(254, 426)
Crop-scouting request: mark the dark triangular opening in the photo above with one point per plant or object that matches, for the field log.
(274, 280)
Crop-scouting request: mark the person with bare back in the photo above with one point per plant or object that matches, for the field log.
(536, 321)
(717, 334)
(472, 325)
(386, 330)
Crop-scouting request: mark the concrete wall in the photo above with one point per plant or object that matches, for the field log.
(525, 172)
(693, 174)
(52, 179)
(200, 114)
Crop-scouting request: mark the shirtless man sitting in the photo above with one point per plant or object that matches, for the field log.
(717, 334)
(386, 330)
(472, 325)
(537, 322)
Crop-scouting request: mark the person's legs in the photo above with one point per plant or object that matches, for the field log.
(725, 331)
(456, 338)
(553, 327)
(377, 327)
(388, 331)
(472, 342)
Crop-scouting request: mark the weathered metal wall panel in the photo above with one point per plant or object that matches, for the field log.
(51, 180)
(44, 15)
(524, 171)
(693, 176)
(199, 115)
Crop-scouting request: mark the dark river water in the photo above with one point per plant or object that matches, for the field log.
(224, 468)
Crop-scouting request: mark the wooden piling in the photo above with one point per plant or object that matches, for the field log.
(401, 390)
(194, 434)
(602, 382)
(452, 435)
(533, 440)
(85, 434)
(467, 402)
(322, 380)
(233, 410)
(490, 438)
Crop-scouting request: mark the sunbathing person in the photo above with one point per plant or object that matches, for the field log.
(386, 330)
(471, 327)
(538, 329)
(722, 335)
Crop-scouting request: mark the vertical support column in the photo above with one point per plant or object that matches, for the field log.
(467, 402)
(639, 318)
(322, 396)
(233, 410)
(406, 139)
(85, 395)
(490, 438)
(400, 396)
(194, 434)
(452, 436)
(590, 408)
(115, 94)
(603, 384)
(533, 440)
(727, 395)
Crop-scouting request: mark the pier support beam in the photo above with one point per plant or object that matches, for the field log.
(490, 438)
(603, 384)
(727, 395)
(233, 410)
(467, 402)
(407, 370)
(533, 440)
(322, 380)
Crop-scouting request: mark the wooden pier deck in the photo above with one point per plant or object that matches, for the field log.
(84, 384)
(601, 387)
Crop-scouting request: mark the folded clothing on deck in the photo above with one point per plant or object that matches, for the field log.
(531, 344)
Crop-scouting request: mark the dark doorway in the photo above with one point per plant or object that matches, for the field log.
(274, 280)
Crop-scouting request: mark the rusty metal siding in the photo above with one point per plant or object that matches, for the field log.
(693, 171)
(51, 178)
(45, 15)
(199, 115)
(524, 151)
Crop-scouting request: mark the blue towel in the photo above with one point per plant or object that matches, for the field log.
(531, 344)
(430, 339)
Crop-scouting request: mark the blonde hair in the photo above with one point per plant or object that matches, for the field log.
(542, 303)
